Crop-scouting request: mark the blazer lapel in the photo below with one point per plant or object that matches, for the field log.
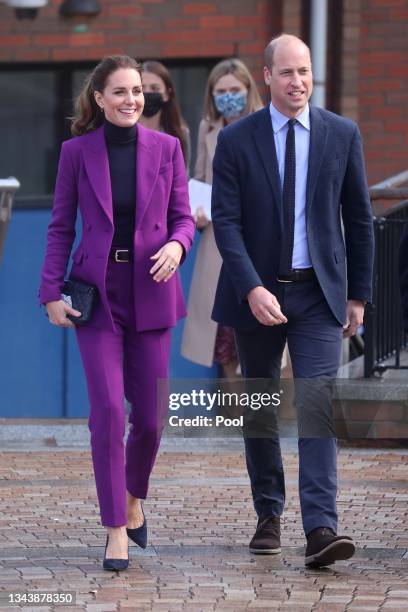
(148, 159)
(97, 168)
(317, 148)
(265, 143)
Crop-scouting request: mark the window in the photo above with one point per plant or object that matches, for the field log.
(35, 105)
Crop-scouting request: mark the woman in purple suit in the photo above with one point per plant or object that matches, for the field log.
(129, 184)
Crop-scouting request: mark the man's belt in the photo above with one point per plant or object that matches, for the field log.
(297, 274)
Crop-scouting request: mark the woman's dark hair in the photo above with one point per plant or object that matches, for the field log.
(88, 116)
(171, 120)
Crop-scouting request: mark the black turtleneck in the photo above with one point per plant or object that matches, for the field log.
(121, 144)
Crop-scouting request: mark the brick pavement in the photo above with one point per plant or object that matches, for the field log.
(200, 521)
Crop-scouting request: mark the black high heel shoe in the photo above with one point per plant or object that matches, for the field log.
(114, 564)
(139, 534)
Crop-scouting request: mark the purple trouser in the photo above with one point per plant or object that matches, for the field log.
(118, 364)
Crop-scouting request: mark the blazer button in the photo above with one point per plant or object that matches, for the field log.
(157, 225)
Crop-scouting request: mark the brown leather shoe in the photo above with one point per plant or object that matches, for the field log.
(324, 547)
(266, 540)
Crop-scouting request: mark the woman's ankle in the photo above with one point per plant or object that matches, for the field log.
(116, 531)
(133, 502)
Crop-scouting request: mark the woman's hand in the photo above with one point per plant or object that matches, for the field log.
(167, 261)
(200, 218)
(57, 312)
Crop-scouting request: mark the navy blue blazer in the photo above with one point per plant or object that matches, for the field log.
(247, 213)
(403, 274)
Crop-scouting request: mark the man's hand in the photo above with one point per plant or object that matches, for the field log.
(57, 313)
(355, 315)
(265, 307)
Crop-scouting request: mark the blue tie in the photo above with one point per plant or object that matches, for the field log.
(288, 201)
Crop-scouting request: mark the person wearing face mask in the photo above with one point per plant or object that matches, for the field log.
(161, 110)
(231, 93)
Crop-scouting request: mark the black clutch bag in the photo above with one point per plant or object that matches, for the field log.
(81, 297)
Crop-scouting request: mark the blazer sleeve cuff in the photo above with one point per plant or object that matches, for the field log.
(360, 294)
(49, 295)
(185, 243)
(243, 292)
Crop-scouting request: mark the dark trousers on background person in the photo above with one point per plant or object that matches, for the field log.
(314, 339)
(118, 364)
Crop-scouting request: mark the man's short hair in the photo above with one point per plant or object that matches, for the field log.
(271, 47)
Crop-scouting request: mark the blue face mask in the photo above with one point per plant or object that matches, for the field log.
(230, 105)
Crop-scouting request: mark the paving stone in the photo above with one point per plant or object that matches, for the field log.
(361, 607)
(395, 604)
(100, 607)
(325, 607)
(398, 593)
(201, 519)
(264, 605)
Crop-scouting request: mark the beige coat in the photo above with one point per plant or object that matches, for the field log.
(200, 330)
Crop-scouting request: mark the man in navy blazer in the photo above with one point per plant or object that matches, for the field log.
(286, 179)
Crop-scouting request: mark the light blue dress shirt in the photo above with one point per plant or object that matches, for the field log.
(301, 257)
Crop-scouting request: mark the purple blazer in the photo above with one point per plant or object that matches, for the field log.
(162, 214)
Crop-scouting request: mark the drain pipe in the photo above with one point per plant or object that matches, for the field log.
(318, 47)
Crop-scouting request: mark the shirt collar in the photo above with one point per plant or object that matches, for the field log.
(279, 120)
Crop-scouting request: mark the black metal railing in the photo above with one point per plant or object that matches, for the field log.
(8, 188)
(384, 336)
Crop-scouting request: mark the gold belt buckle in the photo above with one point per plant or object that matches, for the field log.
(121, 251)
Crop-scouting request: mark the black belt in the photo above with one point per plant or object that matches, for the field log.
(297, 274)
(120, 255)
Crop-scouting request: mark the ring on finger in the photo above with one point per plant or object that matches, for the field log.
(171, 268)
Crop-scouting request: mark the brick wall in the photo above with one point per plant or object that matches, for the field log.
(374, 75)
(349, 61)
(292, 17)
(371, 420)
(383, 85)
(145, 28)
